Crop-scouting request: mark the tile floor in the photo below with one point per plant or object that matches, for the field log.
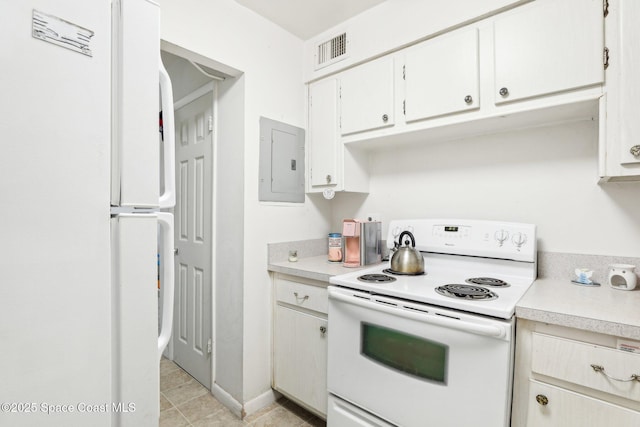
(185, 402)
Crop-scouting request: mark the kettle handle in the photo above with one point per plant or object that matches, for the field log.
(413, 240)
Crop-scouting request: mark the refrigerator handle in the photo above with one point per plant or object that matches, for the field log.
(168, 197)
(167, 284)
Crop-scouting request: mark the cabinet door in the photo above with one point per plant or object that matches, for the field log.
(628, 57)
(442, 77)
(554, 406)
(323, 133)
(300, 357)
(366, 97)
(548, 46)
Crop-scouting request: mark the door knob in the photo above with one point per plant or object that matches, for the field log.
(385, 118)
(504, 92)
(468, 99)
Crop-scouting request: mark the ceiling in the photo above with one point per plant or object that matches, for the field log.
(308, 18)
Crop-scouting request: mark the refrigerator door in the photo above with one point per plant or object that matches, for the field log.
(55, 287)
(135, 104)
(134, 303)
(168, 196)
(165, 220)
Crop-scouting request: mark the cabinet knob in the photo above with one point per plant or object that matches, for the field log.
(323, 330)
(504, 92)
(635, 150)
(328, 179)
(542, 399)
(468, 99)
(385, 118)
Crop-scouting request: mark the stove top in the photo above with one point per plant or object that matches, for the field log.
(479, 271)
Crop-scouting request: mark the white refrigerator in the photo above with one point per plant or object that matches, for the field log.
(80, 212)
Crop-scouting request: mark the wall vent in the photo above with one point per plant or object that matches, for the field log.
(331, 51)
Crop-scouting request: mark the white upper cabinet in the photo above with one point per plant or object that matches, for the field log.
(548, 46)
(323, 133)
(367, 96)
(442, 76)
(331, 165)
(620, 137)
(536, 63)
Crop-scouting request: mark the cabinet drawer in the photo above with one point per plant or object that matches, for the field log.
(554, 406)
(571, 361)
(302, 295)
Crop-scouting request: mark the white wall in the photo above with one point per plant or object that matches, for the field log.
(546, 176)
(271, 83)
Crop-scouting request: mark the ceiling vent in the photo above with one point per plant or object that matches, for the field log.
(331, 51)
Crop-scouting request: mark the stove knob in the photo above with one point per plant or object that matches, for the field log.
(519, 239)
(501, 236)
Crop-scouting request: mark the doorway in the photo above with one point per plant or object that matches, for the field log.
(192, 345)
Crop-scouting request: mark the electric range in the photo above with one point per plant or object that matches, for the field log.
(495, 262)
(417, 338)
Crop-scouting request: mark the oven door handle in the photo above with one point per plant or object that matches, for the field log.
(434, 319)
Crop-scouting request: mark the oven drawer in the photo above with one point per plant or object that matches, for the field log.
(580, 363)
(301, 295)
(344, 414)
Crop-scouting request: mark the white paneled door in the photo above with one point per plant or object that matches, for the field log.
(193, 238)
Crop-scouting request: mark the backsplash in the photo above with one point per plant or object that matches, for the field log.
(555, 265)
(551, 265)
(279, 252)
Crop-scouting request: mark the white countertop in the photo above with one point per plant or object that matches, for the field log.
(598, 309)
(594, 308)
(316, 267)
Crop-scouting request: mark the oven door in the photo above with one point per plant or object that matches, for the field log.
(415, 365)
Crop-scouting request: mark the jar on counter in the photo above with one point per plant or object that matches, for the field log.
(335, 247)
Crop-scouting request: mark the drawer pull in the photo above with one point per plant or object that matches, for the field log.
(300, 299)
(542, 399)
(599, 368)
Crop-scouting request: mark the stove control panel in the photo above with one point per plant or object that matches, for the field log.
(470, 237)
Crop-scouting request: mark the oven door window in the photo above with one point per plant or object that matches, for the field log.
(410, 354)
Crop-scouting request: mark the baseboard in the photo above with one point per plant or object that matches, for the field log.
(262, 401)
(227, 400)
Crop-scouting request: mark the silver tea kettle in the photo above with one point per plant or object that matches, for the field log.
(406, 259)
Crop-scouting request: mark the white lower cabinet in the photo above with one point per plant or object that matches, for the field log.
(566, 377)
(559, 407)
(300, 342)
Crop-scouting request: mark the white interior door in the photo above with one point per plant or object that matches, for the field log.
(193, 239)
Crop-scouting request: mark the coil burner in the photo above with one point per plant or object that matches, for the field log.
(467, 292)
(488, 281)
(376, 278)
